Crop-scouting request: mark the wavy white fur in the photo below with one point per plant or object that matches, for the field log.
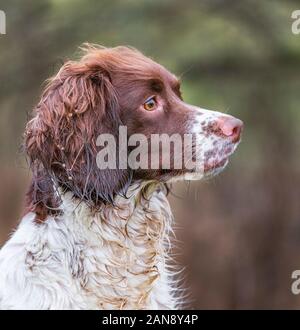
(112, 259)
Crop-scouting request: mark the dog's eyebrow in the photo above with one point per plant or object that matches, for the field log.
(156, 85)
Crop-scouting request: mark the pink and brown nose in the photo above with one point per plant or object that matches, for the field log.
(230, 127)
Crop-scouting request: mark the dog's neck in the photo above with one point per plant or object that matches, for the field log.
(114, 258)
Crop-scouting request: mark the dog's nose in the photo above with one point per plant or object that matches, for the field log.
(231, 127)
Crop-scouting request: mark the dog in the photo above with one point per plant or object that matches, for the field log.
(95, 238)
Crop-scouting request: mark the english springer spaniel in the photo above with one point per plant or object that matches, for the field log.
(97, 238)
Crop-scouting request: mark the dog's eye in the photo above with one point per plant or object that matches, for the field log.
(150, 103)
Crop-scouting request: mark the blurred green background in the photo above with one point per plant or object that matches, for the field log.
(239, 234)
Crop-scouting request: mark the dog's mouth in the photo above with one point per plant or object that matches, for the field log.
(217, 159)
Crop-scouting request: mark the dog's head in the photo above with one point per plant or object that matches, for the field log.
(106, 89)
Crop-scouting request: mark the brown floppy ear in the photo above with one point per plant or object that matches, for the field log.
(77, 105)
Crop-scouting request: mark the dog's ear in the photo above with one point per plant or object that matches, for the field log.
(77, 105)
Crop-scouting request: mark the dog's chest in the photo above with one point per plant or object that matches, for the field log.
(114, 259)
(127, 269)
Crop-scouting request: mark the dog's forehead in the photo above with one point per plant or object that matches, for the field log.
(164, 75)
(147, 68)
(132, 72)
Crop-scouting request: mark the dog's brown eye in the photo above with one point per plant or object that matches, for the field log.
(150, 103)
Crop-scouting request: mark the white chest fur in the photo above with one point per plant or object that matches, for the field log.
(112, 259)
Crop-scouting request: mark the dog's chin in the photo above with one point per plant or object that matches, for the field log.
(210, 169)
(215, 168)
